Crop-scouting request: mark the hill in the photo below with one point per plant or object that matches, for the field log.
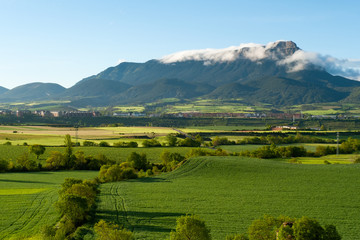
(3, 90)
(230, 192)
(93, 92)
(32, 91)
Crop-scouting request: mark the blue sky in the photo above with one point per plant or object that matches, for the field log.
(63, 41)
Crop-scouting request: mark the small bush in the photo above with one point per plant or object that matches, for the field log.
(104, 144)
(87, 143)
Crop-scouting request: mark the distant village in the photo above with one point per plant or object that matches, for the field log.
(43, 113)
(279, 115)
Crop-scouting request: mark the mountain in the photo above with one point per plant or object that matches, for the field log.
(211, 69)
(278, 73)
(163, 88)
(93, 92)
(3, 90)
(32, 91)
(256, 73)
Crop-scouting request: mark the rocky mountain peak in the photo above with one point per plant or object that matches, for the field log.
(285, 48)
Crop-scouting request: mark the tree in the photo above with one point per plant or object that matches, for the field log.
(188, 142)
(108, 231)
(55, 161)
(307, 229)
(331, 233)
(4, 165)
(190, 227)
(171, 139)
(138, 161)
(26, 163)
(237, 237)
(69, 157)
(37, 150)
(264, 228)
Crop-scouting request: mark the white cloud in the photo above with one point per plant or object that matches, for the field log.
(300, 60)
(251, 51)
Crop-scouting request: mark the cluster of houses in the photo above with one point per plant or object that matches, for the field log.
(44, 113)
(280, 115)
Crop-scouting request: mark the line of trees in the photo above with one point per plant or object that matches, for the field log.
(270, 139)
(266, 228)
(76, 205)
(346, 147)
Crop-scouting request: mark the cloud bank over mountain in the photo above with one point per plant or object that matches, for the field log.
(300, 60)
(297, 61)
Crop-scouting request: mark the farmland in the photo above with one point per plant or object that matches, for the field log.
(227, 192)
(27, 200)
(230, 192)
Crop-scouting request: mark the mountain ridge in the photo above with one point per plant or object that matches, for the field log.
(274, 73)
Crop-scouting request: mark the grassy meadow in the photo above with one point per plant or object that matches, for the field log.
(230, 192)
(27, 200)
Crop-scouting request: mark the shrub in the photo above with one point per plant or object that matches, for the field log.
(55, 161)
(171, 139)
(116, 172)
(190, 227)
(25, 163)
(151, 143)
(237, 237)
(37, 150)
(126, 144)
(139, 161)
(104, 144)
(4, 165)
(87, 143)
(170, 160)
(188, 142)
(109, 231)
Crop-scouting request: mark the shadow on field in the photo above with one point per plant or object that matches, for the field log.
(24, 181)
(137, 220)
(151, 180)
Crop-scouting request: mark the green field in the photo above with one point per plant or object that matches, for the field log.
(230, 192)
(27, 200)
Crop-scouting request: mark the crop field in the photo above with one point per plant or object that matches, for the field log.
(116, 154)
(333, 159)
(230, 192)
(54, 136)
(27, 200)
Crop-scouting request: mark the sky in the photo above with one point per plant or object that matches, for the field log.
(64, 41)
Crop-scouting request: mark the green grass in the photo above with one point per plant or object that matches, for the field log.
(27, 200)
(230, 192)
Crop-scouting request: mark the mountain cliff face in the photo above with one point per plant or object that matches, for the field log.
(272, 73)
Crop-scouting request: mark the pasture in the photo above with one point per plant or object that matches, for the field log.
(27, 200)
(230, 192)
